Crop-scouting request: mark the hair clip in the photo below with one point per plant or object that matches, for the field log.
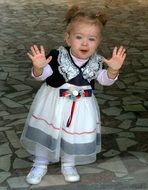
(98, 14)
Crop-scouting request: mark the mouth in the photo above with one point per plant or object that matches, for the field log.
(83, 51)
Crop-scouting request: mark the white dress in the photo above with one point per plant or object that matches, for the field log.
(46, 133)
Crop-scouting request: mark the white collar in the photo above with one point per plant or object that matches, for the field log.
(69, 70)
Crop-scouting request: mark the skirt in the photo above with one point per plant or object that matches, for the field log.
(46, 133)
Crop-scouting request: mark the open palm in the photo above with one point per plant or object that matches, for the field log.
(37, 55)
(117, 60)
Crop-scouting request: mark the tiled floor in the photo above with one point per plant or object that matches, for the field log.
(123, 162)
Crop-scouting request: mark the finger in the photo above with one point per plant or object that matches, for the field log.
(30, 56)
(49, 59)
(104, 60)
(33, 52)
(36, 49)
(42, 50)
(114, 51)
(121, 51)
(124, 56)
(124, 52)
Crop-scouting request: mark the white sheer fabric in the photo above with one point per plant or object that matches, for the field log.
(46, 135)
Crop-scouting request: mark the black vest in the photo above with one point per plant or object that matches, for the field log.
(57, 79)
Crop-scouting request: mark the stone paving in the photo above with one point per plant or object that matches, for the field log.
(123, 162)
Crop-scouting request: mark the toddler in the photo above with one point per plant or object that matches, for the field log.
(63, 123)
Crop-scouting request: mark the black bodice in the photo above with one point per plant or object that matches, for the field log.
(57, 79)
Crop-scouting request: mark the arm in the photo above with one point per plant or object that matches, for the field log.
(39, 61)
(116, 62)
(109, 76)
(47, 71)
(103, 78)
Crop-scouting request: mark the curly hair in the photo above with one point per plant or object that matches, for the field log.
(75, 14)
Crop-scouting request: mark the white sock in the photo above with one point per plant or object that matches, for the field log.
(40, 161)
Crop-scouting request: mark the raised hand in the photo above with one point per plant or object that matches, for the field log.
(37, 55)
(117, 60)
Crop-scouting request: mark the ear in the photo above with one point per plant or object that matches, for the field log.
(67, 38)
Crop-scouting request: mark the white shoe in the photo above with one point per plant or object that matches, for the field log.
(36, 174)
(70, 173)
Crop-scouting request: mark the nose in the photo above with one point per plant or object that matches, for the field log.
(85, 42)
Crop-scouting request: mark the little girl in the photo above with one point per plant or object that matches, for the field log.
(64, 122)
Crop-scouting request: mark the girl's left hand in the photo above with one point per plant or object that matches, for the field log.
(117, 60)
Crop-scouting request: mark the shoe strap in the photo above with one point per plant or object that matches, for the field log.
(70, 169)
(40, 166)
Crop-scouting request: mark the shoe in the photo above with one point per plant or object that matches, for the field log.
(36, 174)
(70, 173)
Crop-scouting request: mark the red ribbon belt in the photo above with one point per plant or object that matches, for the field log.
(73, 95)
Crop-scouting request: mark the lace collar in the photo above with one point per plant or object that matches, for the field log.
(69, 70)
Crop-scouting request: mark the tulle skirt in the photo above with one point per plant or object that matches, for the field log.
(46, 133)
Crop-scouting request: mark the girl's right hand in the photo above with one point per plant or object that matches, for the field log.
(37, 55)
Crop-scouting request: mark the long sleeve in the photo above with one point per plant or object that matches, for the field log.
(103, 79)
(47, 71)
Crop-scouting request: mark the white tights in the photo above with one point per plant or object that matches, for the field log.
(42, 158)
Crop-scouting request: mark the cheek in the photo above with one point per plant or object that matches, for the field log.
(72, 40)
(95, 45)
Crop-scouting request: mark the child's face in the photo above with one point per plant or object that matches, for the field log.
(83, 39)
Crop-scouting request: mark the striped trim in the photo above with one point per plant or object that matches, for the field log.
(49, 142)
(79, 149)
(39, 136)
(51, 125)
